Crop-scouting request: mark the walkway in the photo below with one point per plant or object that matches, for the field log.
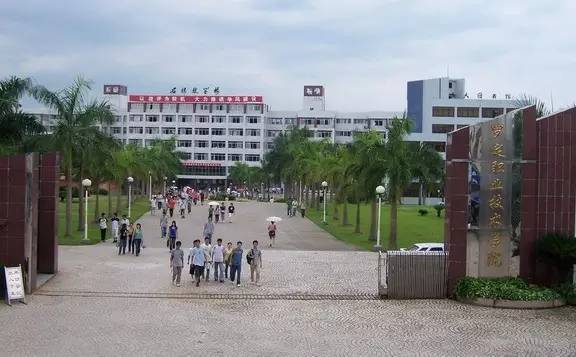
(317, 299)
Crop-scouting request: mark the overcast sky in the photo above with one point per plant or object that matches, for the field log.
(362, 51)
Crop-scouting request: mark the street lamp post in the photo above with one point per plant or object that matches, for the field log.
(164, 193)
(130, 180)
(86, 183)
(324, 186)
(379, 191)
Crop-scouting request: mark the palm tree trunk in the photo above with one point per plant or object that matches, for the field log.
(118, 198)
(357, 228)
(420, 194)
(80, 200)
(69, 200)
(97, 203)
(345, 214)
(392, 243)
(109, 198)
(373, 220)
(335, 215)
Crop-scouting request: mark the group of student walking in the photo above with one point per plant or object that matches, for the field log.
(123, 233)
(225, 261)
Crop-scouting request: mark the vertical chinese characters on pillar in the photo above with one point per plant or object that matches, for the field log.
(496, 200)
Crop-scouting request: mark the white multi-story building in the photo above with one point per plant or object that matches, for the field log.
(215, 131)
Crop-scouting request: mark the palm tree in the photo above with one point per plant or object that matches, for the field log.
(76, 117)
(428, 167)
(17, 129)
(525, 100)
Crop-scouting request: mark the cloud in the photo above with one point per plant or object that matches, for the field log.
(363, 51)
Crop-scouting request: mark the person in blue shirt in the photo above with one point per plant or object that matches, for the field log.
(172, 235)
(236, 263)
(198, 257)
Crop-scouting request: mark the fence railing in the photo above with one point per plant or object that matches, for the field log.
(412, 275)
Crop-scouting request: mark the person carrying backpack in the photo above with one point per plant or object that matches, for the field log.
(254, 258)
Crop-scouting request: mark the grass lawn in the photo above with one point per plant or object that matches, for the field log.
(412, 228)
(139, 207)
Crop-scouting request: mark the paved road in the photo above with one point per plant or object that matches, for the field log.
(249, 223)
(317, 299)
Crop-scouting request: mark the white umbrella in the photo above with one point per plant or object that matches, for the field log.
(213, 203)
(273, 219)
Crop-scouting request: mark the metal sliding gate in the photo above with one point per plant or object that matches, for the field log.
(412, 275)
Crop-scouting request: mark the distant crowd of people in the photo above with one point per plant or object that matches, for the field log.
(123, 233)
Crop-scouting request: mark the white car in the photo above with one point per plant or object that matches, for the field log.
(426, 247)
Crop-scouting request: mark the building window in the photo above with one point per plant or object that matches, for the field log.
(205, 107)
(442, 111)
(116, 130)
(235, 144)
(343, 133)
(218, 119)
(152, 118)
(218, 144)
(252, 132)
(360, 121)
(137, 142)
(136, 130)
(492, 112)
(201, 131)
(324, 134)
(273, 133)
(185, 155)
(185, 131)
(270, 145)
(135, 117)
(275, 121)
(236, 108)
(184, 143)
(204, 170)
(379, 122)
(149, 142)
(200, 156)
(442, 128)
(201, 118)
(235, 120)
(253, 120)
(289, 121)
(255, 107)
(169, 131)
(218, 157)
(235, 132)
(186, 119)
(468, 112)
(343, 121)
(218, 131)
(124, 130)
(252, 145)
(234, 157)
(168, 118)
(252, 157)
(437, 145)
(152, 130)
(200, 143)
(219, 107)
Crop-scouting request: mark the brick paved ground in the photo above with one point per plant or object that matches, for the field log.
(102, 304)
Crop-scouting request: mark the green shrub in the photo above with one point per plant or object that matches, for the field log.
(422, 211)
(567, 291)
(439, 209)
(559, 250)
(503, 289)
(280, 200)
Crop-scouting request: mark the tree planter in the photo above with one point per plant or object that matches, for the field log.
(515, 304)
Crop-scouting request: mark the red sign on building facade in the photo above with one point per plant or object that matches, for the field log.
(201, 164)
(195, 98)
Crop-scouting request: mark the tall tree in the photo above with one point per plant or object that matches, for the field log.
(76, 115)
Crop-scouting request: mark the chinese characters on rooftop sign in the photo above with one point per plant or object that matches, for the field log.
(115, 89)
(313, 91)
(492, 163)
(195, 99)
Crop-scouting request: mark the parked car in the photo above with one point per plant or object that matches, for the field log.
(426, 247)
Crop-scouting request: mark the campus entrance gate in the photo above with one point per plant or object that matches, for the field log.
(412, 275)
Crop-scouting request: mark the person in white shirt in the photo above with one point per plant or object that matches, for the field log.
(218, 259)
(207, 247)
(103, 224)
(115, 224)
(125, 221)
(182, 205)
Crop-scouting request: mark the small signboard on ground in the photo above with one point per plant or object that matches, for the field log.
(14, 284)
